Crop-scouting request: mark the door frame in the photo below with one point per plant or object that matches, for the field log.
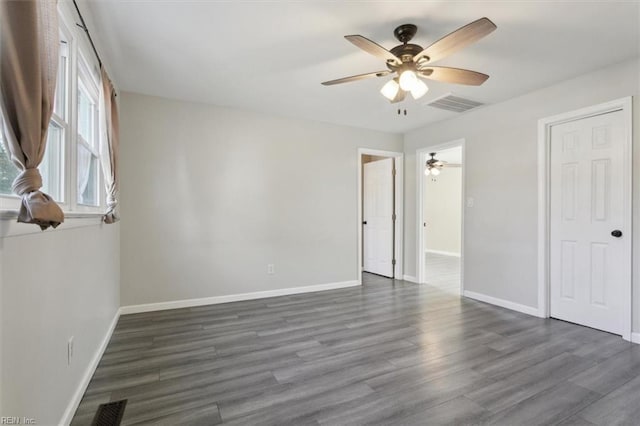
(421, 158)
(544, 184)
(398, 240)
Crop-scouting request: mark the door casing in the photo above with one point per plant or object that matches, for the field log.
(378, 212)
(544, 181)
(399, 209)
(421, 158)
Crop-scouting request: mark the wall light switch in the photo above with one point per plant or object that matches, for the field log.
(470, 201)
(271, 269)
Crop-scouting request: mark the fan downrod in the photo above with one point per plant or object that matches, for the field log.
(404, 33)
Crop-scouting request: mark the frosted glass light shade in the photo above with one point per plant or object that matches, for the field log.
(435, 171)
(419, 89)
(427, 172)
(408, 79)
(390, 90)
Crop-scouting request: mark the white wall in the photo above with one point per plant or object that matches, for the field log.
(54, 285)
(212, 195)
(501, 229)
(443, 211)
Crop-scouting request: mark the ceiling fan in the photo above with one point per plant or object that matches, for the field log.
(410, 61)
(434, 166)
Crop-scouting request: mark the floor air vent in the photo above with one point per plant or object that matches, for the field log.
(454, 103)
(109, 414)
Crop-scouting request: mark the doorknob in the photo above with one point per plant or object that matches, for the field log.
(617, 233)
(364, 222)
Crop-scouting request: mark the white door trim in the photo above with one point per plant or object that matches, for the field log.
(399, 207)
(544, 138)
(421, 158)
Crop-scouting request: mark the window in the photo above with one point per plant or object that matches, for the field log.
(52, 166)
(70, 169)
(8, 171)
(88, 165)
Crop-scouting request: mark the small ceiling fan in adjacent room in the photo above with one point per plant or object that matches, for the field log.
(410, 62)
(435, 166)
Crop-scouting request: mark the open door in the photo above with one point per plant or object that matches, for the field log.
(377, 218)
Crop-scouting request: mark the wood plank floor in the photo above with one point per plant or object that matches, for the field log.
(389, 352)
(442, 272)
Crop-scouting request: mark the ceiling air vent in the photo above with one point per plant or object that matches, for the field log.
(453, 103)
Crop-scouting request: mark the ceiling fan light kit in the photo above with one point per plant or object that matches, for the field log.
(408, 79)
(419, 89)
(390, 89)
(411, 63)
(433, 172)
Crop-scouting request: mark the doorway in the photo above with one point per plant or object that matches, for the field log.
(586, 232)
(378, 215)
(380, 203)
(440, 213)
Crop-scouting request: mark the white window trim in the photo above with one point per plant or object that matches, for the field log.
(9, 227)
(88, 80)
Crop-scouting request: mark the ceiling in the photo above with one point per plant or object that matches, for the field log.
(271, 56)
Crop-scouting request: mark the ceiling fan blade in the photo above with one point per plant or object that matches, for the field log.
(357, 77)
(459, 39)
(453, 75)
(453, 165)
(373, 48)
(399, 97)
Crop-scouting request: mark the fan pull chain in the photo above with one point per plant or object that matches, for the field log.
(400, 111)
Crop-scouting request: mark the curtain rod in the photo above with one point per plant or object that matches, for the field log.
(86, 30)
(83, 25)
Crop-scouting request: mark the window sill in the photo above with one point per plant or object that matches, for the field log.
(9, 226)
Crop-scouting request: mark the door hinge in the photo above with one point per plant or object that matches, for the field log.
(393, 172)
(393, 217)
(393, 262)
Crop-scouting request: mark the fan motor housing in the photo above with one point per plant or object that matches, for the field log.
(404, 33)
(406, 52)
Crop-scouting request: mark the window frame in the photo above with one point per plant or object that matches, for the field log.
(63, 122)
(90, 85)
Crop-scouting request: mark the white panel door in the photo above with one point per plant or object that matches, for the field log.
(377, 216)
(588, 263)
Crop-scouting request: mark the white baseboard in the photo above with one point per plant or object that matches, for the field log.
(635, 337)
(67, 416)
(502, 303)
(188, 303)
(444, 253)
(410, 278)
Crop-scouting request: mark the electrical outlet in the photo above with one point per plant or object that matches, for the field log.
(271, 269)
(70, 350)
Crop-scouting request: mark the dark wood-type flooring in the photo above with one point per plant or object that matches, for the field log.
(389, 352)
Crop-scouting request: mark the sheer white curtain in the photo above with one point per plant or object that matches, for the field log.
(109, 145)
(84, 171)
(29, 42)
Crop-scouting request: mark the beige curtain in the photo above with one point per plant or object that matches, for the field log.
(29, 43)
(109, 145)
